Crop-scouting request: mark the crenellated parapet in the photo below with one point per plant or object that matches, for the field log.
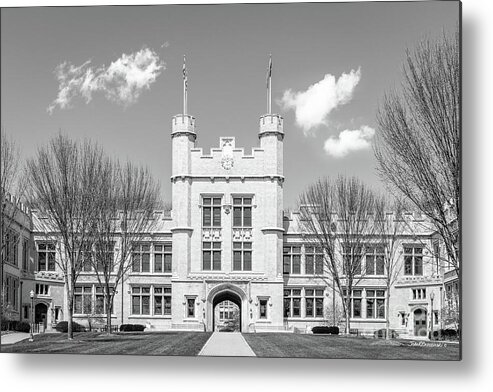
(408, 223)
(271, 124)
(228, 161)
(183, 124)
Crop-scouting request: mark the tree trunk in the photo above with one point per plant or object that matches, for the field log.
(348, 314)
(387, 314)
(70, 330)
(70, 307)
(109, 307)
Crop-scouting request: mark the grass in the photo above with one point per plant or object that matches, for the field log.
(284, 345)
(153, 343)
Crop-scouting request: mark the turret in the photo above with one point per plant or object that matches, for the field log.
(271, 135)
(183, 140)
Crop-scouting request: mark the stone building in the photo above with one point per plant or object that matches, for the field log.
(227, 241)
(18, 256)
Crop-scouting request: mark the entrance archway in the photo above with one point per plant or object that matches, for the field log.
(226, 312)
(41, 314)
(227, 292)
(420, 321)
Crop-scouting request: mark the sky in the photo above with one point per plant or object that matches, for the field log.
(114, 75)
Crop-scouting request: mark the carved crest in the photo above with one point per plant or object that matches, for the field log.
(227, 160)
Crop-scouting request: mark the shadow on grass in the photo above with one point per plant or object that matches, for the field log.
(284, 345)
(133, 343)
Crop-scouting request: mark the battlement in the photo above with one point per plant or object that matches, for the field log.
(182, 123)
(409, 222)
(271, 123)
(16, 203)
(229, 160)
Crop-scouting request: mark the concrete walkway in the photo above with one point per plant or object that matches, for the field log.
(12, 338)
(227, 344)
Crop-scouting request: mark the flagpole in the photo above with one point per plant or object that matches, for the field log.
(184, 86)
(269, 97)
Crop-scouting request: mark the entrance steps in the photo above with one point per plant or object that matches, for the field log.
(192, 326)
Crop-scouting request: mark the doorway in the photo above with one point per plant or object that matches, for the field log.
(420, 328)
(226, 312)
(40, 314)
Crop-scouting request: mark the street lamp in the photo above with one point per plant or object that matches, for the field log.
(31, 294)
(432, 297)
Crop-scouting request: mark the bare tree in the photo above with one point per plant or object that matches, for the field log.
(389, 226)
(336, 216)
(418, 144)
(64, 180)
(126, 205)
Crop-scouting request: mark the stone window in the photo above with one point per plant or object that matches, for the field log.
(42, 289)
(25, 254)
(375, 256)
(162, 300)
(314, 260)
(11, 241)
(211, 256)
(314, 302)
(190, 307)
(242, 256)
(162, 258)
(292, 259)
(292, 303)
(375, 304)
(141, 257)
(242, 212)
(83, 299)
(46, 256)
(419, 293)
(141, 300)
(351, 256)
(355, 303)
(12, 291)
(263, 308)
(413, 260)
(86, 256)
(211, 212)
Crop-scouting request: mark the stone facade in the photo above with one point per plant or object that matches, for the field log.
(227, 239)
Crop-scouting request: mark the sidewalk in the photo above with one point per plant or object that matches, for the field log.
(227, 344)
(12, 338)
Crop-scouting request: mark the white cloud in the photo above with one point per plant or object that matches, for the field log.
(348, 141)
(121, 82)
(313, 106)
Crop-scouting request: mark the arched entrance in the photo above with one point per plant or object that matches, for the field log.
(420, 321)
(41, 314)
(226, 312)
(231, 298)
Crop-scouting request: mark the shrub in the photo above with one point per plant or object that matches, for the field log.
(446, 334)
(15, 325)
(62, 326)
(323, 329)
(333, 330)
(132, 327)
(382, 333)
(22, 326)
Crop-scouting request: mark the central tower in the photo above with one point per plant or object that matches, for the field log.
(227, 227)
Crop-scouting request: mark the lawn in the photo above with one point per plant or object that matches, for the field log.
(153, 343)
(285, 345)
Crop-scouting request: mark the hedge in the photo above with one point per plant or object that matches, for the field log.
(15, 325)
(322, 329)
(62, 326)
(444, 334)
(132, 327)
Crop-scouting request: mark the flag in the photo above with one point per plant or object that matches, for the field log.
(185, 76)
(269, 71)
